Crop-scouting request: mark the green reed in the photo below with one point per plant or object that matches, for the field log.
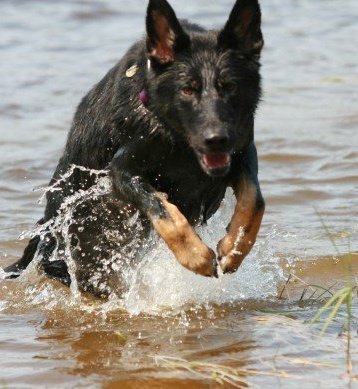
(342, 299)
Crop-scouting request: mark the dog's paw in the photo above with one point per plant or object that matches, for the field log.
(225, 246)
(191, 252)
(229, 255)
(230, 263)
(204, 264)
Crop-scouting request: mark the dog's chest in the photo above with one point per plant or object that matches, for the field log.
(197, 195)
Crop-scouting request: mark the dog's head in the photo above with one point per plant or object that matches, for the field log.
(206, 85)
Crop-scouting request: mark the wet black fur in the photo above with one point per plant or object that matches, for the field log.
(158, 147)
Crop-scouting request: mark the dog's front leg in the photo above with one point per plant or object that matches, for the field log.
(181, 238)
(167, 220)
(248, 214)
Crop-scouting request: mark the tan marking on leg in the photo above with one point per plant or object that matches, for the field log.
(243, 228)
(182, 240)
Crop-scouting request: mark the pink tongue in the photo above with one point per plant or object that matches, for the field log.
(216, 161)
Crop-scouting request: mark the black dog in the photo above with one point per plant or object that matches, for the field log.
(173, 123)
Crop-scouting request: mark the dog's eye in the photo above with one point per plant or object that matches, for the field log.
(191, 88)
(229, 87)
(188, 91)
(226, 88)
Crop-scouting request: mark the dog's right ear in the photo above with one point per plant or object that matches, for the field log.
(165, 35)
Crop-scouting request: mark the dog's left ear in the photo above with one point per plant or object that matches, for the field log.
(165, 35)
(243, 29)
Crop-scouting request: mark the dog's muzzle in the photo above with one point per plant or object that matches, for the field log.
(215, 157)
(215, 164)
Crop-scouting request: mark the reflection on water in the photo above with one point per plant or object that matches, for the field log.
(307, 137)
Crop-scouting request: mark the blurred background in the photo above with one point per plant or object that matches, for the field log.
(53, 52)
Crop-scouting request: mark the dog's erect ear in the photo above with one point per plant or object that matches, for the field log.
(243, 29)
(165, 35)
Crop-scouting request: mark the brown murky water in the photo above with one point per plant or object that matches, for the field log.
(51, 52)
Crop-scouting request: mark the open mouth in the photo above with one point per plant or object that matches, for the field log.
(216, 164)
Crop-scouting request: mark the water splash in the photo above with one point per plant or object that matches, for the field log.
(59, 226)
(157, 282)
(2, 274)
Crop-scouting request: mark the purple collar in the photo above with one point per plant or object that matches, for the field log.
(144, 97)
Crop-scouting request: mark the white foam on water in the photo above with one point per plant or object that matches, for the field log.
(2, 274)
(160, 282)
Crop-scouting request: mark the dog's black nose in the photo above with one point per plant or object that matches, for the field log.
(217, 141)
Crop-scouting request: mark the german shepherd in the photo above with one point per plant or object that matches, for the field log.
(173, 124)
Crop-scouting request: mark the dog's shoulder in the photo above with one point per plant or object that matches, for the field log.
(109, 111)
